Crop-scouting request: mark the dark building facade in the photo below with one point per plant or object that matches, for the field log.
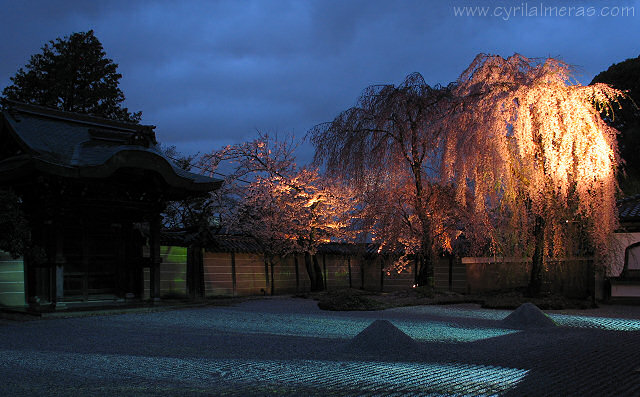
(93, 191)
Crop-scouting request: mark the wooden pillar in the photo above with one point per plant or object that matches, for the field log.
(46, 267)
(195, 272)
(117, 235)
(137, 260)
(59, 261)
(52, 284)
(85, 261)
(155, 259)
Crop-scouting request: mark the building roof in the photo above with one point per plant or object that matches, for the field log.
(629, 213)
(81, 146)
(239, 244)
(250, 245)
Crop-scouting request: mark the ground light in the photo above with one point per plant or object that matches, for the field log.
(565, 320)
(336, 327)
(605, 323)
(274, 377)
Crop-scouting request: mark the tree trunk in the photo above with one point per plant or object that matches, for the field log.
(425, 275)
(425, 257)
(314, 271)
(425, 270)
(537, 263)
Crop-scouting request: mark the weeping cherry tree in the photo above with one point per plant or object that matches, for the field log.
(389, 146)
(527, 150)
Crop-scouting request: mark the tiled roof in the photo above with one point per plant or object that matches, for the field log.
(629, 209)
(240, 244)
(249, 245)
(246, 244)
(81, 144)
(368, 249)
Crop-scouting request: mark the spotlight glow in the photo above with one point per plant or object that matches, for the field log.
(565, 320)
(230, 320)
(275, 377)
(610, 324)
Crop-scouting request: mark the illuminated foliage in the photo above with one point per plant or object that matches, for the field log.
(534, 154)
(390, 148)
(286, 208)
(513, 154)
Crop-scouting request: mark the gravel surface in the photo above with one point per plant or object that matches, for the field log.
(528, 316)
(286, 346)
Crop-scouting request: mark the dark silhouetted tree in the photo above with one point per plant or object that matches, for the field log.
(625, 76)
(72, 74)
(196, 215)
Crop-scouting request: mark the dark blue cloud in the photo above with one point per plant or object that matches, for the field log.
(211, 73)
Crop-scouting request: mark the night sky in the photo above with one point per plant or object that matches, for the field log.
(212, 73)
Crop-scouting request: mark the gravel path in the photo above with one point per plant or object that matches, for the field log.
(284, 346)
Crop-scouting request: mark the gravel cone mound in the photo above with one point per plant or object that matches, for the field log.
(382, 337)
(528, 316)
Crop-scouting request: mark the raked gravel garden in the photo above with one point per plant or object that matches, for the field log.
(289, 346)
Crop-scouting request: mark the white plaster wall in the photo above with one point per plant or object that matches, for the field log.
(620, 242)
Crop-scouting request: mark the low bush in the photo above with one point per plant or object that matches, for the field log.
(513, 300)
(348, 300)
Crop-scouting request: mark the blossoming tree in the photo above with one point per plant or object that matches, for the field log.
(389, 146)
(514, 154)
(287, 209)
(529, 146)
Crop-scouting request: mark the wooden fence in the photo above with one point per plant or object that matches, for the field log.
(572, 277)
(237, 274)
(246, 274)
(173, 272)
(11, 281)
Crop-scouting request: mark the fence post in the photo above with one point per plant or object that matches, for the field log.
(324, 268)
(362, 266)
(233, 271)
(195, 272)
(381, 274)
(295, 262)
(349, 267)
(273, 281)
(268, 286)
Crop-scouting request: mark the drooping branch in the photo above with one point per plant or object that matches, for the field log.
(389, 147)
(528, 143)
(287, 209)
